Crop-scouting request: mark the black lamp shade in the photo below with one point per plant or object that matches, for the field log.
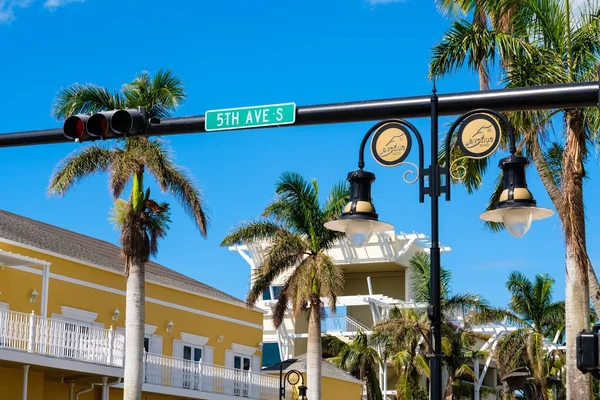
(359, 220)
(516, 206)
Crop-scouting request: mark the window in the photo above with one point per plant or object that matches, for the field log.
(276, 291)
(242, 364)
(147, 344)
(191, 372)
(188, 351)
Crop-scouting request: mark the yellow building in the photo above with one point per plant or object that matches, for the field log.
(335, 382)
(62, 318)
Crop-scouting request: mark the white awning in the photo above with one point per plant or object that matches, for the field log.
(8, 259)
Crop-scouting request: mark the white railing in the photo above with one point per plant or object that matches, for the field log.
(80, 342)
(343, 324)
(63, 339)
(186, 374)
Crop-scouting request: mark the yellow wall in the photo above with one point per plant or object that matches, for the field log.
(388, 283)
(60, 391)
(338, 389)
(334, 389)
(17, 295)
(16, 287)
(11, 384)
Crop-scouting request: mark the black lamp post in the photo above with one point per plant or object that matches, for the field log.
(292, 377)
(478, 137)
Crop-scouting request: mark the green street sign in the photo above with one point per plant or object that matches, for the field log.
(250, 117)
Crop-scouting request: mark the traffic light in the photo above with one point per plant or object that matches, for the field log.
(75, 127)
(588, 351)
(106, 124)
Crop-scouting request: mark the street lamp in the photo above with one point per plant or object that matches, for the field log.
(292, 377)
(477, 138)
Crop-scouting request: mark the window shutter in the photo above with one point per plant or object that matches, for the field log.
(256, 361)
(178, 372)
(208, 355)
(177, 348)
(255, 368)
(156, 344)
(229, 379)
(229, 358)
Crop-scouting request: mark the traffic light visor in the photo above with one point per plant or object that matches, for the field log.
(97, 125)
(121, 122)
(74, 126)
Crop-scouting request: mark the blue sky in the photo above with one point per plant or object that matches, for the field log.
(238, 53)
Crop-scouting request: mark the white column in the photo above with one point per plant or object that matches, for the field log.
(104, 388)
(71, 390)
(478, 382)
(45, 286)
(25, 378)
(385, 388)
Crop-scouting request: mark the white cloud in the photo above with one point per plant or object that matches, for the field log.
(8, 7)
(378, 2)
(59, 3)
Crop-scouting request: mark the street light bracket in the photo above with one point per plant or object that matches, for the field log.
(461, 119)
(415, 132)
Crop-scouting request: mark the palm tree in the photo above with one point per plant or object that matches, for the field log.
(357, 357)
(532, 307)
(555, 49)
(419, 266)
(405, 334)
(403, 337)
(293, 226)
(142, 221)
(457, 343)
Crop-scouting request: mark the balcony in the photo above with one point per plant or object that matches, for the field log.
(69, 341)
(62, 339)
(342, 325)
(197, 376)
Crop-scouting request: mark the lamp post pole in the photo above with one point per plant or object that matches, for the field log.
(434, 310)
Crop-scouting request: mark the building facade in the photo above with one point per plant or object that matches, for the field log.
(62, 318)
(377, 279)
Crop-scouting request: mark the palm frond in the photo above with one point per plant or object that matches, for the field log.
(84, 99)
(252, 232)
(78, 165)
(331, 279)
(302, 202)
(470, 43)
(172, 178)
(286, 252)
(466, 371)
(160, 95)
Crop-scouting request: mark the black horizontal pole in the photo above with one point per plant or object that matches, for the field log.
(573, 95)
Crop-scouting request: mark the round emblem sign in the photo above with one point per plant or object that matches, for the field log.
(391, 144)
(479, 135)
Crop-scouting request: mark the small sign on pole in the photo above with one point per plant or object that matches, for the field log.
(250, 117)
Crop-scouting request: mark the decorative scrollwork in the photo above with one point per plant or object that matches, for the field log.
(414, 170)
(458, 172)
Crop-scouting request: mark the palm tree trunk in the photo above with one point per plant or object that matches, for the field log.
(449, 392)
(579, 386)
(134, 327)
(314, 352)
(555, 195)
